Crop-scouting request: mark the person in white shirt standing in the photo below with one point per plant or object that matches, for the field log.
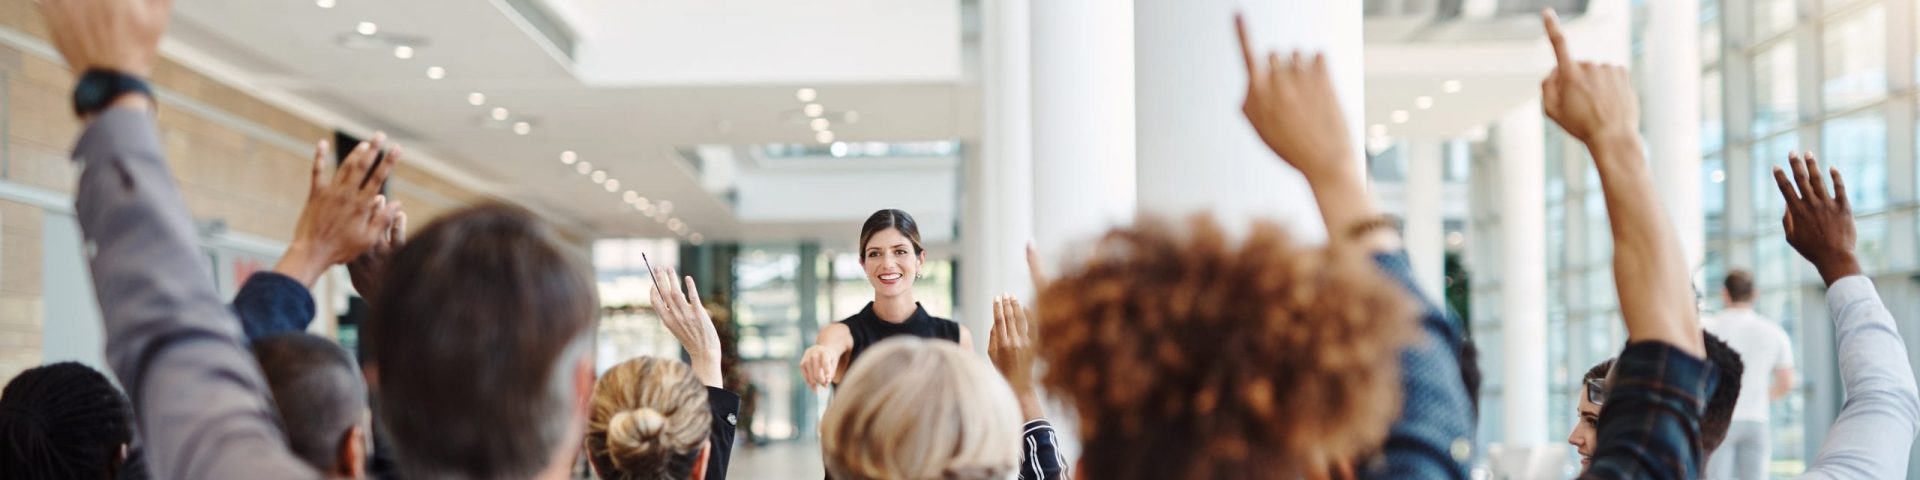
(1768, 355)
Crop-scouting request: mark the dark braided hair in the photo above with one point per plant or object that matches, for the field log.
(63, 420)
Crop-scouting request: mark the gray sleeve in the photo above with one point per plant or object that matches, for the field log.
(1876, 426)
(198, 395)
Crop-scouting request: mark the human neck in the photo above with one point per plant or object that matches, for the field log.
(1747, 305)
(895, 309)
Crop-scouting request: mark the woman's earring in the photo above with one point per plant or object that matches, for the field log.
(919, 276)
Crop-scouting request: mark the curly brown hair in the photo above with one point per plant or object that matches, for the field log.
(1190, 355)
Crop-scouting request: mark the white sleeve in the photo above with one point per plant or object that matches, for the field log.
(1786, 349)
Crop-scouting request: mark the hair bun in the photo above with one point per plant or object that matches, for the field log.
(636, 427)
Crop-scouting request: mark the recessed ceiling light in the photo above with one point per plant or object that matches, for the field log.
(806, 94)
(666, 207)
(367, 28)
(820, 124)
(568, 157)
(584, 168)
(814, 110)
(824, 136)
(851, 117)
(1423, 102)
(1455, 239)
(403, 52)
(1450, 86)
(675, 224)
(323, 3)
(500, 113)
(839, 149)
(1377, 130)
(696, 239)
(522, 128)
(1400, 116)
(599, 176)
(613, 185)
(476, 99)
(643, 204)
(630, 196)
(436, 73)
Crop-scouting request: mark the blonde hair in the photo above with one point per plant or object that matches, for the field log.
(914, 409)
(650, 419)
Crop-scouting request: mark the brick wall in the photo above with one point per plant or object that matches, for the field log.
(238, 159)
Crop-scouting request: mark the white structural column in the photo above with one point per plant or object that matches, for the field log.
(1000, 187)
(1083, 128)
(1196, 151)
(1523, 274)
(1672, 117)
(1425, 222)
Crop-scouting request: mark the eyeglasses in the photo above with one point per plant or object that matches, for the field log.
(1597, 391)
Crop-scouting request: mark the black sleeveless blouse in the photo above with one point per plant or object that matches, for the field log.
(868, 329)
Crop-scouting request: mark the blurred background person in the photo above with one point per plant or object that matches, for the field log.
(1764, 345)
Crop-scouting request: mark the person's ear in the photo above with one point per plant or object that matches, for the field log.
(352, 462)
(583, 386)
(700, 462)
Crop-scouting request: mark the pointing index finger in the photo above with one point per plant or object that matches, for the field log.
(1552, 21)
(1246, 46)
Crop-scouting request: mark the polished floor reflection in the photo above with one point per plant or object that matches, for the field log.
(778, 461)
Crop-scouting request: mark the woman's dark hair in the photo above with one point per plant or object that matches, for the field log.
(891, 219)
(63, 420)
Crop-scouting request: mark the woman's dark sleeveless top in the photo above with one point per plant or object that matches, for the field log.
(868, 329)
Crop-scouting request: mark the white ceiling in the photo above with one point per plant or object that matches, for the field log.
(630, 132)
(656, 76)
(1499, 63)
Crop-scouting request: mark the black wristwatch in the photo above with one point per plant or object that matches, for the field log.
(99, 88)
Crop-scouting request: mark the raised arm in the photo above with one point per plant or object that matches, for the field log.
(1292, 105)
(345, 216)
(1651, 424)
(199, 397)
(1871, 436)
(1597, 105)
(686, 317)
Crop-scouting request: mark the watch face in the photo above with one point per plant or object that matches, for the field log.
(87, 94)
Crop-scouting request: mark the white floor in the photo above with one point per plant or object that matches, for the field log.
(798, 460)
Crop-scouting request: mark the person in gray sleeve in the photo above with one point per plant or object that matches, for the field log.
(488, 386)
(1875, 429)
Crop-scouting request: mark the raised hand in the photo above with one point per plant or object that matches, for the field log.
(1818, 225)
(367, 269)
(687, 319)
(1590, 101)
(117, 35)
(1596, 105)
(345, 214)
(1292, 104)
(1010, 346)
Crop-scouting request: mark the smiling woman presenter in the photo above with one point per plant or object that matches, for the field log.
(891, 254)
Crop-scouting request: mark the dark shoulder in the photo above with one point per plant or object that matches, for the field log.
(948, 329)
